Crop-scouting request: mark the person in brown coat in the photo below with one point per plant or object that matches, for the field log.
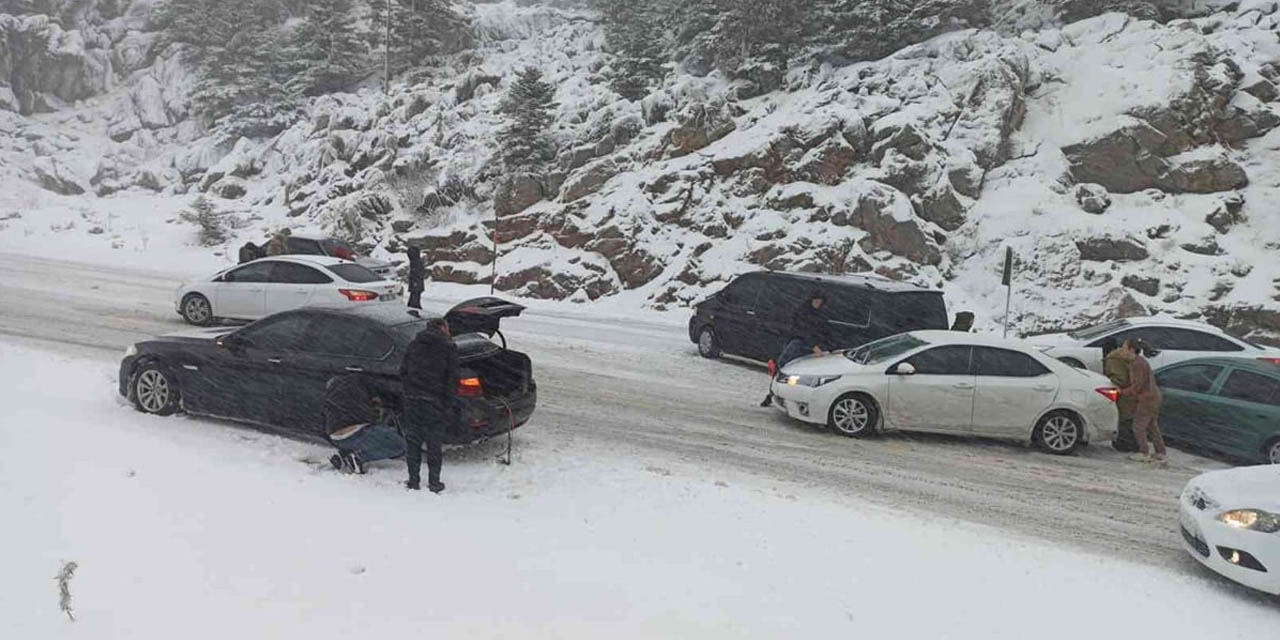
(1146, 413)
(1116, 364)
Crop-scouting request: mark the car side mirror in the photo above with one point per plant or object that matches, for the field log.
(904, 369)
(234, 342)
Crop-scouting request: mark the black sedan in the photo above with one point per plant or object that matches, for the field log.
(273, 372)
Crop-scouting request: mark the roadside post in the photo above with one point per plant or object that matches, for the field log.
(1007, 281)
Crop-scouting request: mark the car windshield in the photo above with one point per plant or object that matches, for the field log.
(1098, 330)
(354, 273)
(884, 349)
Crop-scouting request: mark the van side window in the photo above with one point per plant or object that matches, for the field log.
(781, 296)
(743, 292)
(850, 307)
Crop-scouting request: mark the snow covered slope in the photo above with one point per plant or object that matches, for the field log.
(1129, 163)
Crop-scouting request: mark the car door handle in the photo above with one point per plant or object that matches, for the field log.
(962, 385)
(1043, 388)
(274, 360)
(750, 312)
(354, 369)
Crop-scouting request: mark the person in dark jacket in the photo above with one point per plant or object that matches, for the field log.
(810, 334)
(417, 273)
(430, 377)
(249, 252)
(351, 423)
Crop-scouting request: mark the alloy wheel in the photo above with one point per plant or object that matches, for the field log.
(152, 391)
(1274, 452)
(706, 343)
(851, 415)
(197, 309)
(1059, 433)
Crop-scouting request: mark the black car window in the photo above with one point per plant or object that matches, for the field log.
(293, 273)
(1251, 387)
(347, 338)
(779, 297)
(990, 361)
(256, 272)
(302, 246)
(277, 333)
(744, 291)
(849, 306)
(352, 272)
(911, 311)
(1201, 341)
(951, 360)
(1098, 330)
(1197, 378)
(1153, 336)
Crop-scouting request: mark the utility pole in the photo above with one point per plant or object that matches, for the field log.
(1007, 281)
(386, 55)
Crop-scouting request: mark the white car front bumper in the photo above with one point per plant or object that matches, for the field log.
(806, 404)
(1227, 550)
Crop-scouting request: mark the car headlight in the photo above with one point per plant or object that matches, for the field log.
(810, 381)
(131, 351)
(1251, 519)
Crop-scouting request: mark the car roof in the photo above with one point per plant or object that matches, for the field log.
(936, 337)
(389, 315)
(875, 283)
(1249, 364)
(307, 259)
(310, 236)
(1150, 321)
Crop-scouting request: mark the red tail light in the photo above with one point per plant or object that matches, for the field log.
(1111, 393)
(773, 368)
(1271, 360)
(470, 388)
(358, 295)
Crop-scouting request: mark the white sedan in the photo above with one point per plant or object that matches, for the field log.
(260, 288)
(950, 382)
(1176, 340)
(1230, 522)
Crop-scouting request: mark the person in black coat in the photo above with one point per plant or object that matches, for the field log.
(429, 374)
(417, 273)
(351, 423)
(810, 333)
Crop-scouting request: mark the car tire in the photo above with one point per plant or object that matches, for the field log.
(1271, 451)
(853, 415)
(1072, 362)
(708, 344)
(1060, 433)
(197, 310)
(154, 390)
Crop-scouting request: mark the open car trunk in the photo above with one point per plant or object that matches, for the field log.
(505, 374)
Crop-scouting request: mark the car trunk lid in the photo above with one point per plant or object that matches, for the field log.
(481, 315)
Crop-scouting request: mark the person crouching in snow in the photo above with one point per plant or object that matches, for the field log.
(810, 334)
(1146, 413)
(352, 426)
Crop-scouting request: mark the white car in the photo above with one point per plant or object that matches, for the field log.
(260, 288)
(1230, 522)
(950, 382)
(1176, 340)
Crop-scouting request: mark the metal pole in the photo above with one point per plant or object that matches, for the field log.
(493, 279)
(1007, 300)
(1007, 280)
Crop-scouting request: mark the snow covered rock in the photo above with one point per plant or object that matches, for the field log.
(517, 193)
(589, 180)
(56, 177)
(1093, 198)
(1112, 249)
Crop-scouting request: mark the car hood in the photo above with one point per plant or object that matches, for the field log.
(195, 335)
(824, 365)
(1243, 487)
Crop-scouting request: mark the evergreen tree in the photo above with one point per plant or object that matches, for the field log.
(420, 29)
(634, 34)
(873, 29)
(327, 52)
(528, 110)
(756, 38)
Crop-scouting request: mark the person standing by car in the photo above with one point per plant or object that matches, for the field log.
(351, 423)
(810, 333)
(276, 245)
(429, 374)
(1117, 364)
(417, 273)
(1146, 412)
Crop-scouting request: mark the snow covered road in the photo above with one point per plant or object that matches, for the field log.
(635, 387)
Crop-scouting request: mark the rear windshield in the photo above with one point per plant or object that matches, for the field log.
(1099, 330)
(354, 273)
(884, 349)
(337, 248)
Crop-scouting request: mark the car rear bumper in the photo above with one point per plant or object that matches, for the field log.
(1214, 545)
(488, 417)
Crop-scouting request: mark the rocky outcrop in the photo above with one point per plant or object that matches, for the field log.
(55, 177)
(1121, 160)
(589, 180)
(1112, 249)
(517, 193)
(1093, 198)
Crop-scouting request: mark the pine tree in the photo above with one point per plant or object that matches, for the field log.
(872, 29)
(528, 110)
(420, 29)
(756, 38)
(634, 35)
(327, 52)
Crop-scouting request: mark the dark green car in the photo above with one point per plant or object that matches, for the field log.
(1227, 405)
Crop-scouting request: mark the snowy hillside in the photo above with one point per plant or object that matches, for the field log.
(1130, 163)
